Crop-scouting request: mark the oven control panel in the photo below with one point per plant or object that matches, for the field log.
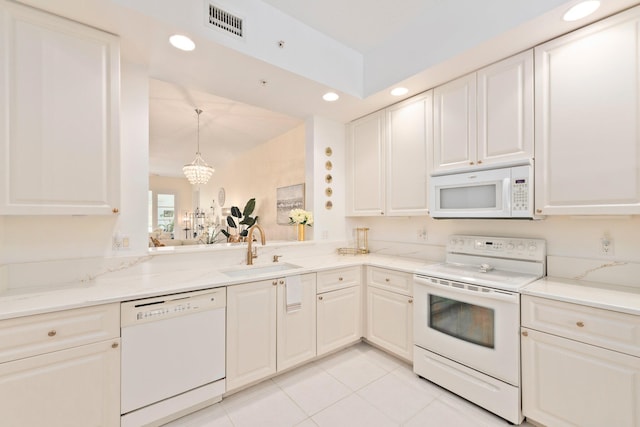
(502, 247)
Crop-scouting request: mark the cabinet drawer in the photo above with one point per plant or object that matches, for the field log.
(337, 279)
(394, 281)
(43, 333)
(603, 328)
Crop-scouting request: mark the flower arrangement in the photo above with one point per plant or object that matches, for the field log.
(300, 216)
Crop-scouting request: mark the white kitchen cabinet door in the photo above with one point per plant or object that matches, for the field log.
(339, 319)
(75, 387)
(505, 110)
(454, 124)
(390, 321)
(587, 141)
(568, 383)
(251, 332)
(365, 166)
(409, 133)
(59, 105)
(296, 327)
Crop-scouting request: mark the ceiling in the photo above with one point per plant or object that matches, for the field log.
(252, 90)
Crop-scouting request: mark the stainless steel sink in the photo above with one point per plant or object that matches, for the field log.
(259, 270)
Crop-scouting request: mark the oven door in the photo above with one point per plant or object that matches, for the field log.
(472, 325)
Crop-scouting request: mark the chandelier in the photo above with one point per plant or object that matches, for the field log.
(198, 171)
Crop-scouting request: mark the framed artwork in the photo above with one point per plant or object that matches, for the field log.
(287, 198)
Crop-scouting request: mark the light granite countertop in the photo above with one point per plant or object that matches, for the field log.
(624, 299)
(110, 288)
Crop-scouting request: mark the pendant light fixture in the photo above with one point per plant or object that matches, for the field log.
(198, 171)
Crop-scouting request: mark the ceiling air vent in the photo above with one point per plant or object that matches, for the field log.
(225, 21)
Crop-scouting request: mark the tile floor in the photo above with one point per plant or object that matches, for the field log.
(359, 386)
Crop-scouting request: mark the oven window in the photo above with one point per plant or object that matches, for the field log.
(471, 197)
(468, 322)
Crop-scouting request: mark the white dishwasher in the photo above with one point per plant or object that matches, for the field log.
(173, 356)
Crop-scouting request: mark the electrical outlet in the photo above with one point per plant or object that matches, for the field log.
(606, 246)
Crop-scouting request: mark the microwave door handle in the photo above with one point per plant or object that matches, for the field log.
(506, 195)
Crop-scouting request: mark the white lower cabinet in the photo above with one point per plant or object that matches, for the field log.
(262, 336)
(390, 311)
(339, 311)
(568, 383)
(390, 321)
(46, 385)
(580, 365)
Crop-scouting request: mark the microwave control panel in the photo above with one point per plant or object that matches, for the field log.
(521, 192)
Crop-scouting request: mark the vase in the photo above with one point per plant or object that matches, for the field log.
(300, 232)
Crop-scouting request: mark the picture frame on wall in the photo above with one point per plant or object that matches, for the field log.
(287, 198)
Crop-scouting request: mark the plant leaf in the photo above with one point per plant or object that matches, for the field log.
(231, 223)
(235, 211)
(226, 233)
(248, 221)
(244, 233)
(249, 207)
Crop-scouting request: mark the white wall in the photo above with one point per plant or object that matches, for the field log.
(322, 134)
(258, 173)
(39, 238)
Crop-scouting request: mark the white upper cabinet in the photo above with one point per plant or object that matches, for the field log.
(387, 157)
(505, 110)
(454, 124)
(587, 118)
(365, 171)
(485, 117)
(409, 133)
(59, 103)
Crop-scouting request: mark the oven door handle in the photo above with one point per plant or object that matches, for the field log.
(495, 294)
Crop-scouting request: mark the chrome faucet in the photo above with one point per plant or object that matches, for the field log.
(251, 254)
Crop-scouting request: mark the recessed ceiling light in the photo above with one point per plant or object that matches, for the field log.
(399, 91)
(330, 96)
(581, 10)
(182, 42)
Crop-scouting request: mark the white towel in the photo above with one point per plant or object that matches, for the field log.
(294, 293)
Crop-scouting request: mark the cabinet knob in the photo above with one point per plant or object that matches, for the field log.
(410, 300)
(320, 298)
(387, 280)
(114, 345)
(479, 162)
(539, 211)
(580, 324)
(340, 279)
(525, 333)
(52, 333)
(471, 163)
(282, 282)
(115, 210)
(274, 283)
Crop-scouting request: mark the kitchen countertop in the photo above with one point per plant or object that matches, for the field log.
(110, 288)
(623, 299)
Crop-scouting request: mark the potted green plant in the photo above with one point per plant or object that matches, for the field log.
(244, 222)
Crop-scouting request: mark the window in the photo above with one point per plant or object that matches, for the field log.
(162, 210)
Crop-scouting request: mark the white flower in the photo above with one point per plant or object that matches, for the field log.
(300, 216)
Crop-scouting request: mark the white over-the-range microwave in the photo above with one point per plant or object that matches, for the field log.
(503, 192)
